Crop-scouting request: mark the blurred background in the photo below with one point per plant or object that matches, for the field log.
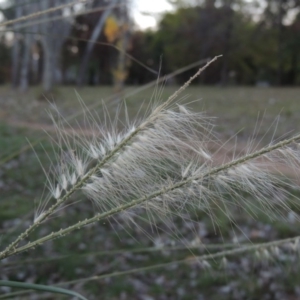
(128, 52)
(258, 39)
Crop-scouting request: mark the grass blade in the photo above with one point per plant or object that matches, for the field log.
(40, 287)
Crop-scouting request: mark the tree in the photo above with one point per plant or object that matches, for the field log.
(275, 14)
(53, 35)
(193, 33)
(90, 46)
(253, 49)
(13, 10)
(28, 40)
(16, 48)
(51, 29)
(117, 31)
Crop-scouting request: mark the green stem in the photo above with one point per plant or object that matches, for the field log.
(202, 247)
(238, 251)
(220, 254)
(40, 287)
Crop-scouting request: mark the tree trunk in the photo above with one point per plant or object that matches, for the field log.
(123, 45)
(16, 50)
(53, 36)
(15, 61)
(24, 74)
(49, 67)
(227, 42)
(280, 43)
(89, 48)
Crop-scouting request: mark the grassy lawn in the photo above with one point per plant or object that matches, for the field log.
(248, 111)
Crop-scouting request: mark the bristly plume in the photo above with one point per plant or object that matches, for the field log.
(166, 160)
(162, 163)
(83, 160)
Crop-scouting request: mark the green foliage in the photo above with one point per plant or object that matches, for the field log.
(201, 32)
(147, 47)
(254, 51)
(40, 287)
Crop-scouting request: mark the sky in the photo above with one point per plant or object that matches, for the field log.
(145, 12)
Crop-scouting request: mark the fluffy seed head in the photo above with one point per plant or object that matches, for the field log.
(166, 160)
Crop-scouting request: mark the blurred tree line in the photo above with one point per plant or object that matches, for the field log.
(260, 41)
(83, 43)
(93, 42)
